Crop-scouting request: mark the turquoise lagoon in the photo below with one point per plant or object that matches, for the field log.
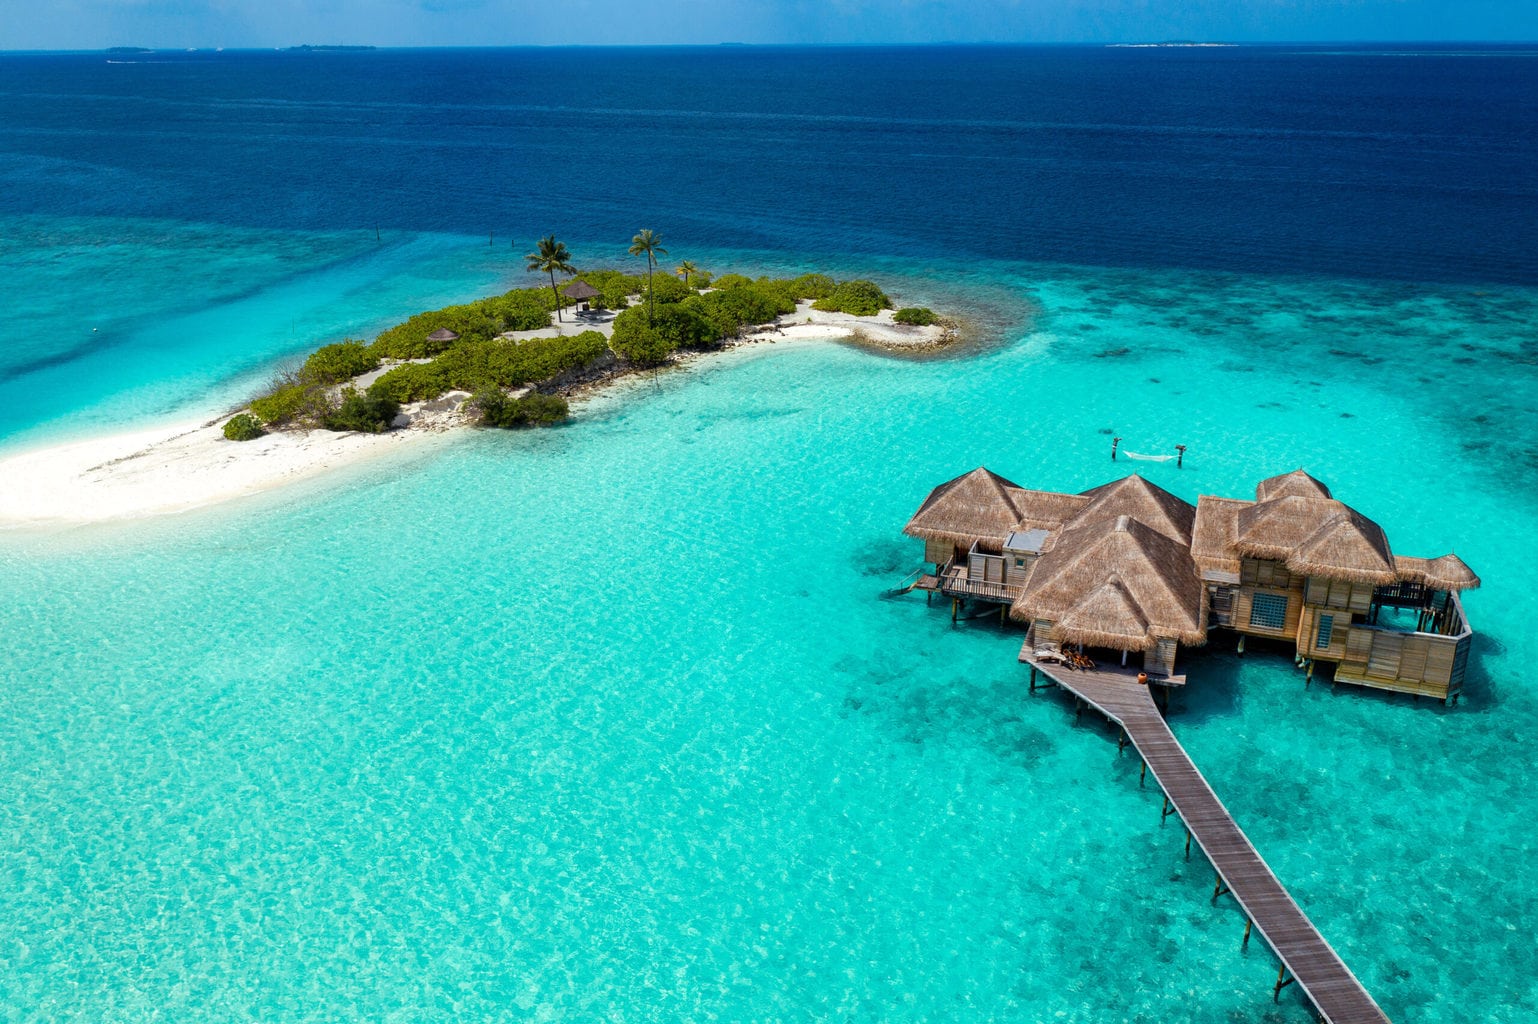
(613, 721)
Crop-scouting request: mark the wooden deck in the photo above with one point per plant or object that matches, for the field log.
(1305, 955)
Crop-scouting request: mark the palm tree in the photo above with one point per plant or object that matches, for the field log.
(552, 256)
(649, 243)
(685, 269)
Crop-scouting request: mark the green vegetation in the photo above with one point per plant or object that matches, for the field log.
(243, 427)
(616, 285)
(332, 364)
(532, 410)
(858, 298)
(680, 312)
(916, 316)
(732, 281)
(667, 289)
(550, 257)
(522, 309)
(364, 412)
(479, 366)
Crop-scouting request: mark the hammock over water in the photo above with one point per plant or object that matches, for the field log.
(1147, 458)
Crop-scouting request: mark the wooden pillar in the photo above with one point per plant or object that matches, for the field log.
(955, 603)
(1248, 924)
(1142, 772)
(1282, 981)
(1218, 888)
(1188, 844)
(1241, 644)
(1003, 611)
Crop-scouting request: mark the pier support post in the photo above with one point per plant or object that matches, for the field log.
(1309, 678)
(1242, 638)
(1003, 612)
(1033, 678)
(1218, 888)
(1188, 844)
(1169, 809)
(1248, 924)
(955, 605)
(1282, 981)
(1142, 772)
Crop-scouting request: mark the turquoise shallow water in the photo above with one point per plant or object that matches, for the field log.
(612, 721)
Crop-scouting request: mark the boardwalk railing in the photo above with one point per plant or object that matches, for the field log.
(1304, 954)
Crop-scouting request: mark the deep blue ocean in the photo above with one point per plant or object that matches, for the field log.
(611, 721)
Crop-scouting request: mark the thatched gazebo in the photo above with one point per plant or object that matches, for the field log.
(581, 292)
(442, 338)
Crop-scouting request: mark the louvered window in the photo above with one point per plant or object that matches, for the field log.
(1326, 632)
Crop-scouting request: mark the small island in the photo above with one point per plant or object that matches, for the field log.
(506, 361)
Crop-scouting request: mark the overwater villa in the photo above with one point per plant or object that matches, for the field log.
(1128, 568)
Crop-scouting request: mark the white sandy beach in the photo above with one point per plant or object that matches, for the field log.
(190, 465)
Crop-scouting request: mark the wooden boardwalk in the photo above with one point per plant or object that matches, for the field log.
(1305, 955)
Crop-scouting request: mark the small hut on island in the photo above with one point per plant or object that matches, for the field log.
(1129, 568)
(581, 292)
(441, 339)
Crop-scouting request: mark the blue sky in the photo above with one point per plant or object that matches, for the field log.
(65, 24)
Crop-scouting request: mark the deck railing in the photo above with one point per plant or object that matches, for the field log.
(955, 582)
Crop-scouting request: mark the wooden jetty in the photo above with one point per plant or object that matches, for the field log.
(1306, 958)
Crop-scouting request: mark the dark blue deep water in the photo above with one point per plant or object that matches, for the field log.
(1378, 163)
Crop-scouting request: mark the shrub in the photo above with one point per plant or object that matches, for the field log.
(638, 341)
(811, 286)
(332, 364)
(666, 288)
(858, 298)
(364, 412)
(474, 322)
(522, 309)
(916, 316)
(410, 382)
(243, 427)
(728, 309)
(532, 410)
(699, 279)
(281, 405)
(732, 281)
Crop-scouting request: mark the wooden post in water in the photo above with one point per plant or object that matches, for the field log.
(1276, 993)
(1248, 924)
(1188, 844)
(955, 602)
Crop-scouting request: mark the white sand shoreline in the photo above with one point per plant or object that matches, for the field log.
(188, 465)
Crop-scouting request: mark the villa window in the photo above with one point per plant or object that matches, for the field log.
(1269, 611)
(1326, 632)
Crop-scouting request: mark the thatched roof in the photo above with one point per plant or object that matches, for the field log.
(1316, 537)
(1449, 572)
(443, 334)
(1214, 534)
(1045, 510)
(1149, 504)
(1107, 617)
(580, 290)
(1156, 591)
(1295, 484)
(974, 506)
